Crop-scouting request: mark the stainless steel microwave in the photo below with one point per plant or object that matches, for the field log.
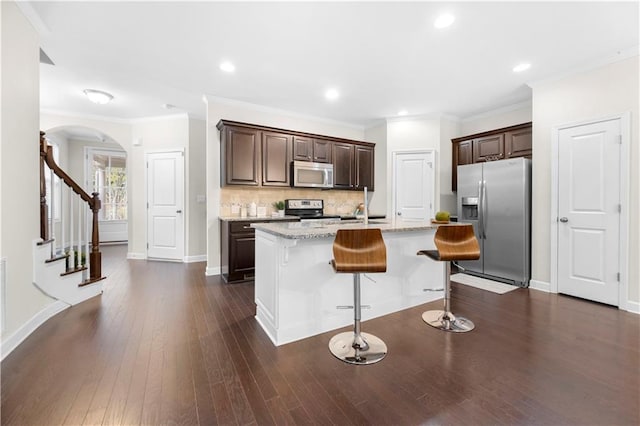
(311, 175)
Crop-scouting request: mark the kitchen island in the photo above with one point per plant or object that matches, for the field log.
(297, 292)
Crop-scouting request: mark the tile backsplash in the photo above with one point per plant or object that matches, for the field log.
(335, 202)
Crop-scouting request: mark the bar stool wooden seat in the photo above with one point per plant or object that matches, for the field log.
(453, 242)
(358, 251)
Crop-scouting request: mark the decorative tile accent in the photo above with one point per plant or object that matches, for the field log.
(335, 202)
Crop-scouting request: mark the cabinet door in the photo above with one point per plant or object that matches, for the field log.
(488, 148)
(302, 148)
(276, 156)
(242, 151)
(364, 167)
(242, 256)
(321, 151)
(518, 143)
(462, 154)
(343, 162)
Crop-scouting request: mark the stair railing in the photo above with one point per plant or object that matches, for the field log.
(47, 228)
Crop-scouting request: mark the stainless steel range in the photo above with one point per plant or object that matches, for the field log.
(308, 210)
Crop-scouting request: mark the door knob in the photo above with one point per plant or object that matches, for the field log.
(564, 220)
(178, 211)
(399, 213)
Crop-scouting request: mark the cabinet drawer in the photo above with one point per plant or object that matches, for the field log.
(241, 228)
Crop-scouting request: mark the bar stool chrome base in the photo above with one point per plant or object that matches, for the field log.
(448, 322)
(368, 349)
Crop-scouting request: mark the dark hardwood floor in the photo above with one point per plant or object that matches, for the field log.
(166, 345)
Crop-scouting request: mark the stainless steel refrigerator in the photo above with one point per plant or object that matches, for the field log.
(496, 198)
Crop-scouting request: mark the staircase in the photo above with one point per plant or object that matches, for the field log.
(68, 269)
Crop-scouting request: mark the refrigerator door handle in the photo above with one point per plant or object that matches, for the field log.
(484, 210)
(480, 211)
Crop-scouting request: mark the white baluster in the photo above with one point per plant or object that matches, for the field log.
(79, 243)
(62, 226)
(52, 228)
(85, 273)
(71, 254)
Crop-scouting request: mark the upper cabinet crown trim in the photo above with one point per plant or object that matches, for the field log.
(492, 132)
(223, 123)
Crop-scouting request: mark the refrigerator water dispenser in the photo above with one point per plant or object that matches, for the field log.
(469, 208)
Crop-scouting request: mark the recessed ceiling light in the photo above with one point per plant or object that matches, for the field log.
(402, 112)
(332, 94)
(444, 20)
(521, 67)
(227, 67)
(98, 96)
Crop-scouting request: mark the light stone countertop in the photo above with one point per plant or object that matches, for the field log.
(256, 218)
(308, 230)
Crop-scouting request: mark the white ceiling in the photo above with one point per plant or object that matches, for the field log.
(382, 56)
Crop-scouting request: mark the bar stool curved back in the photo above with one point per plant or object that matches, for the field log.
(453, 242)
(358, 251)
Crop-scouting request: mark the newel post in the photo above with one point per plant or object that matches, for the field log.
(44, 209)
(95, 257)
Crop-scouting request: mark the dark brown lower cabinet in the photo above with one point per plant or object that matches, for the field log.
(237, 249)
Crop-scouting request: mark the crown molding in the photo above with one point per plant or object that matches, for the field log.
(262, 108)
(117, 120)
(501, 110)
(620, 55)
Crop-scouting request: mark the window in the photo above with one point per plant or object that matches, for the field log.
(109, 179)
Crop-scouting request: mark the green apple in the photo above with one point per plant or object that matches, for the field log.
(443, 216)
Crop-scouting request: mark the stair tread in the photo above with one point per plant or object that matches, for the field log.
(73, 271)
(57, 257)
(90, 281)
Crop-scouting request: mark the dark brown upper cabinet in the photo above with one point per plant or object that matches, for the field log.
(302, 148)
(276, 157)
(343, 165)
(311, 149)
(261, 156)
(488, 148)
(240, 153)
(499, 144)
(517, 143)
(364, 167)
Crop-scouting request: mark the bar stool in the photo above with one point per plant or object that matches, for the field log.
(453, 242)
(358, 251)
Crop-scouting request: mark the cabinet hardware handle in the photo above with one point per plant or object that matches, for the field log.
(246, 227)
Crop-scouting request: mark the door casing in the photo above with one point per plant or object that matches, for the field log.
(623, 241)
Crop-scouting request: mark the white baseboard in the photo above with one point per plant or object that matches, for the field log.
(212, 271)
(139, 256)
(12, 342)
(540, 286)
(633, 307)
(193, 259)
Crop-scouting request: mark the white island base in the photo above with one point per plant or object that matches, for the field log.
(297, 291)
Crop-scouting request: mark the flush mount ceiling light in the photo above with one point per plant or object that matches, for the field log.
(332, 94)
(521, 67)
(227, 67)
(444, 20)
(98, 96)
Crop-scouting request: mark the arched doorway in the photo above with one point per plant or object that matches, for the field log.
(98, 163)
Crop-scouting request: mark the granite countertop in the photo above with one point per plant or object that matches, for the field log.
(256, 218)
(308, 230)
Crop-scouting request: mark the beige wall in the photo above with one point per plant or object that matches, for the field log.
(197, 186)
(603, 92)
(378, 199)
(496, 119)
(218, 109)
(19, 167)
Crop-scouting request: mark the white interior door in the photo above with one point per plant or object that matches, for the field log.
(414, 185)
(589, 211)
(165, 205)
